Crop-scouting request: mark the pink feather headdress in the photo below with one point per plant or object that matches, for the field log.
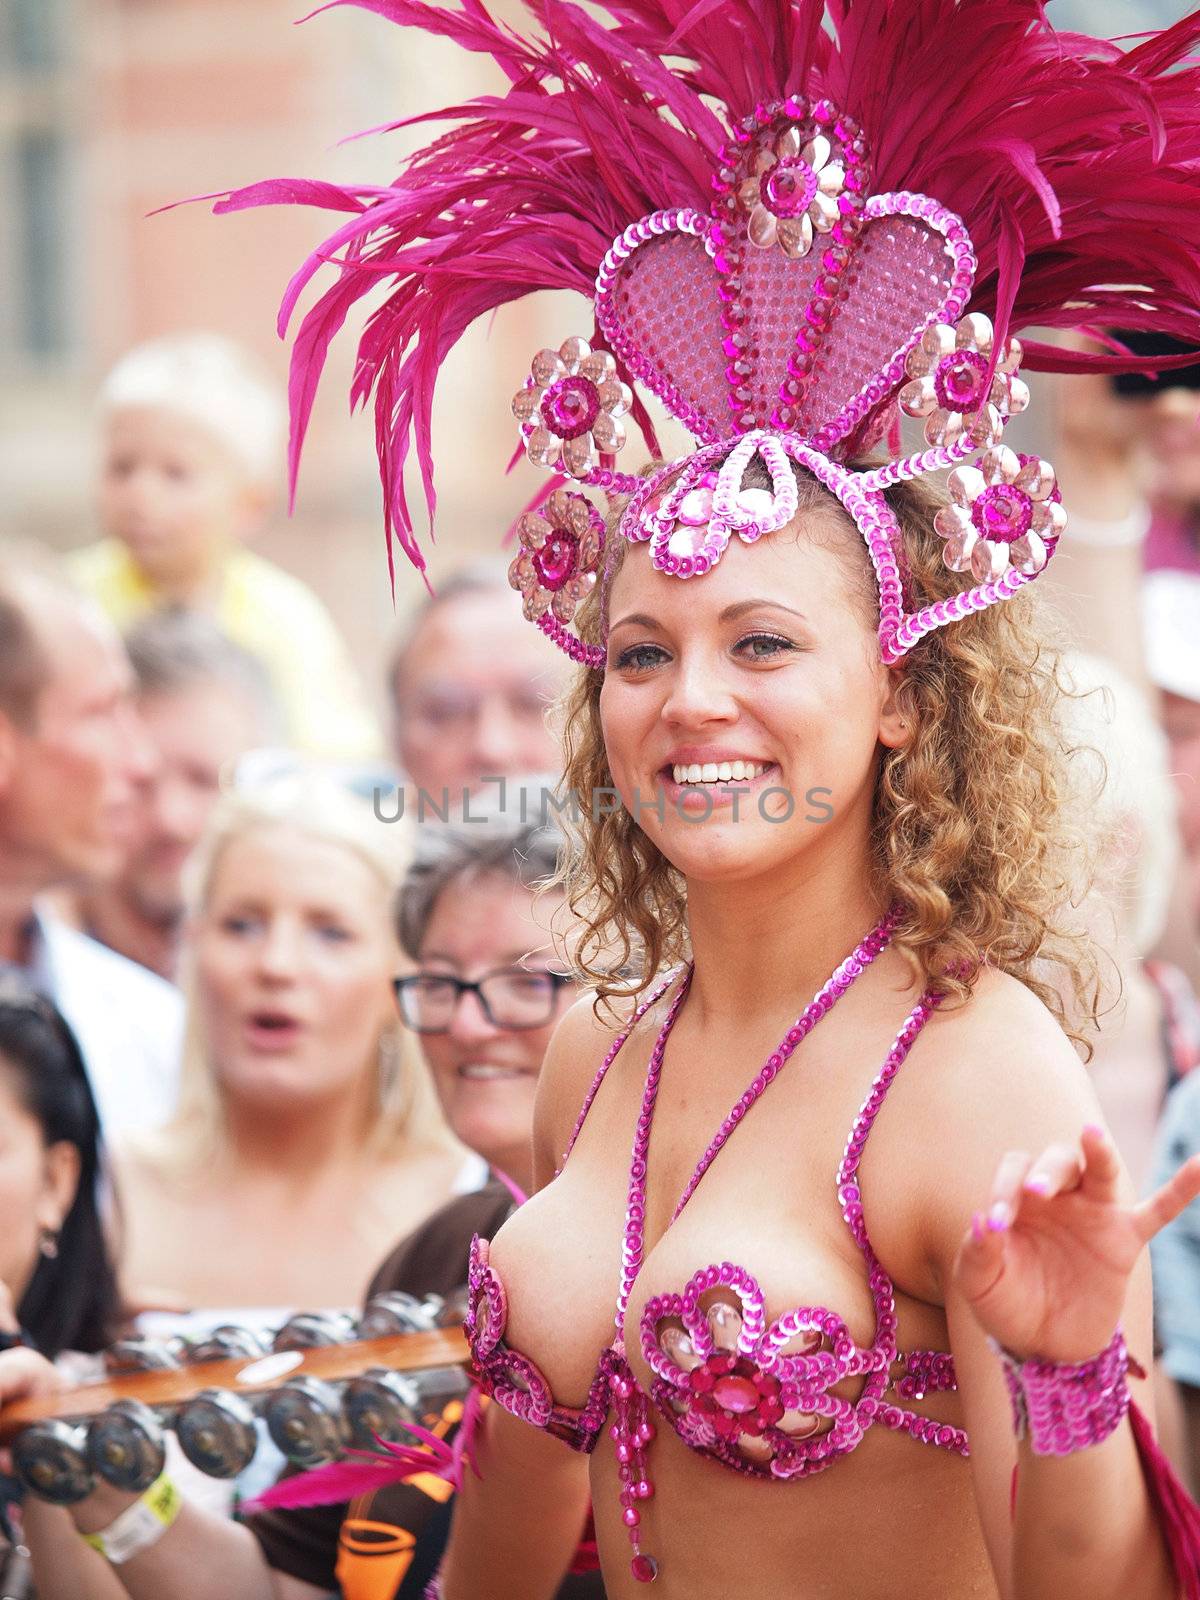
(792, 218)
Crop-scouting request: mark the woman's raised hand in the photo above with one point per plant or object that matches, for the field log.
(1046, 1267)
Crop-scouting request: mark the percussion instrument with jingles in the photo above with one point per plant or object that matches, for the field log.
(324, 1383)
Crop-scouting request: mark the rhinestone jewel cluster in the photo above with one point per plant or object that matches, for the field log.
(791, 193)
(949, 384)
(561, 546)
(793, 175)
(1005, 512)
(570, 407)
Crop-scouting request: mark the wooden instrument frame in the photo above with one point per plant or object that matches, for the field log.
(401, 1352)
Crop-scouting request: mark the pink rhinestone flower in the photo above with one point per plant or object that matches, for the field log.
(747, 1390)
(949, 388)
(570, 407)
(734, 1395)
(559, 558)
(1004, 512)
(792, 191)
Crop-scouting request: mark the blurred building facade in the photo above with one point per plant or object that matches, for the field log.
(110, 109)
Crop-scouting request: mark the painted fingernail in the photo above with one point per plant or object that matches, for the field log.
(1095, 1129)
(1037, 1184)
(977, 1226)
(999, 1217)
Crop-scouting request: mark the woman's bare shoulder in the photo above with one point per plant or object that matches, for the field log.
(1003, 1050)
(991, 1075)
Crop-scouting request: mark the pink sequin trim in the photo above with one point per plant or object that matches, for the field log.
(1065, 1407)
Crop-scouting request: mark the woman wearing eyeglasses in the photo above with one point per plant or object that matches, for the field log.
(484, 997)
(488, 989)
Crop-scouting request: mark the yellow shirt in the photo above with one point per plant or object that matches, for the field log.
(276, 618)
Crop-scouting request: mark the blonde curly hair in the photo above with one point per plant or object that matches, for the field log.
(977, 828)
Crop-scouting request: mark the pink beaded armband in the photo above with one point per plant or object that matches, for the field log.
(1067, 1407)
(433, 1589)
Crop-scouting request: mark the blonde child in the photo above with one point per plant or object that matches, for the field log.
(191, 442)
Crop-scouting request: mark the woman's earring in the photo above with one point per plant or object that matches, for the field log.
(48, 1243)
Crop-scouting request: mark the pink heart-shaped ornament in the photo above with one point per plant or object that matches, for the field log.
(660, 299)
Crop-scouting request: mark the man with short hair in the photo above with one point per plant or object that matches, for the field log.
(204, 702)
(471, 684)
(73, 757)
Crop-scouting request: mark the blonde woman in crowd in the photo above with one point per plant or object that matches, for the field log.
(308, 1135)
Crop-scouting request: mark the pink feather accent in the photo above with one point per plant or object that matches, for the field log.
(362, 1472)
(1177, 1512)
(1074, 164)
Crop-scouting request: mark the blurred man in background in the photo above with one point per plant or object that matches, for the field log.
(203, 702)
(472, 686)
(73, 759)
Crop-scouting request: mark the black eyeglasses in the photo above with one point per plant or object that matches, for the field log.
(509, 998)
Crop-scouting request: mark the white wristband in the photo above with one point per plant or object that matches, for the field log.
(139, 1525)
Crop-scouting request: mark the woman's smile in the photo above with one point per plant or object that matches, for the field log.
(698, 788)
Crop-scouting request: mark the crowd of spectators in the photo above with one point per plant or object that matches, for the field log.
(270, 1041)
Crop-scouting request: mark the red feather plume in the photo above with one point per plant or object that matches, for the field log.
(361, 1472)
(1074, 164)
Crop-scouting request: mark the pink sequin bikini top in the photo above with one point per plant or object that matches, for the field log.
(755, 1394)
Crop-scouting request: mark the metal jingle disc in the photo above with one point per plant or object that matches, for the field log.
(377, 1406)
(388, 1314)
(51, 1461)
(143, 1355)
(304, 1418)
(436, 1388)
(126, 1446)
(312, 1330)
(217, 1433)
(226, 1342)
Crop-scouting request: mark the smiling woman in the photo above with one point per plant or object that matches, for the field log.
(490, 986)
(912, 765)
(308, 1133)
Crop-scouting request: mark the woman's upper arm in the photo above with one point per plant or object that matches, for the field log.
(987, 1413)
(573, 1057)
(1023, 1089)
(520, 1516)
(999, 1076)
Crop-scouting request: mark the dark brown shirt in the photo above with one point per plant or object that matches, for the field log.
(385, 1546)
